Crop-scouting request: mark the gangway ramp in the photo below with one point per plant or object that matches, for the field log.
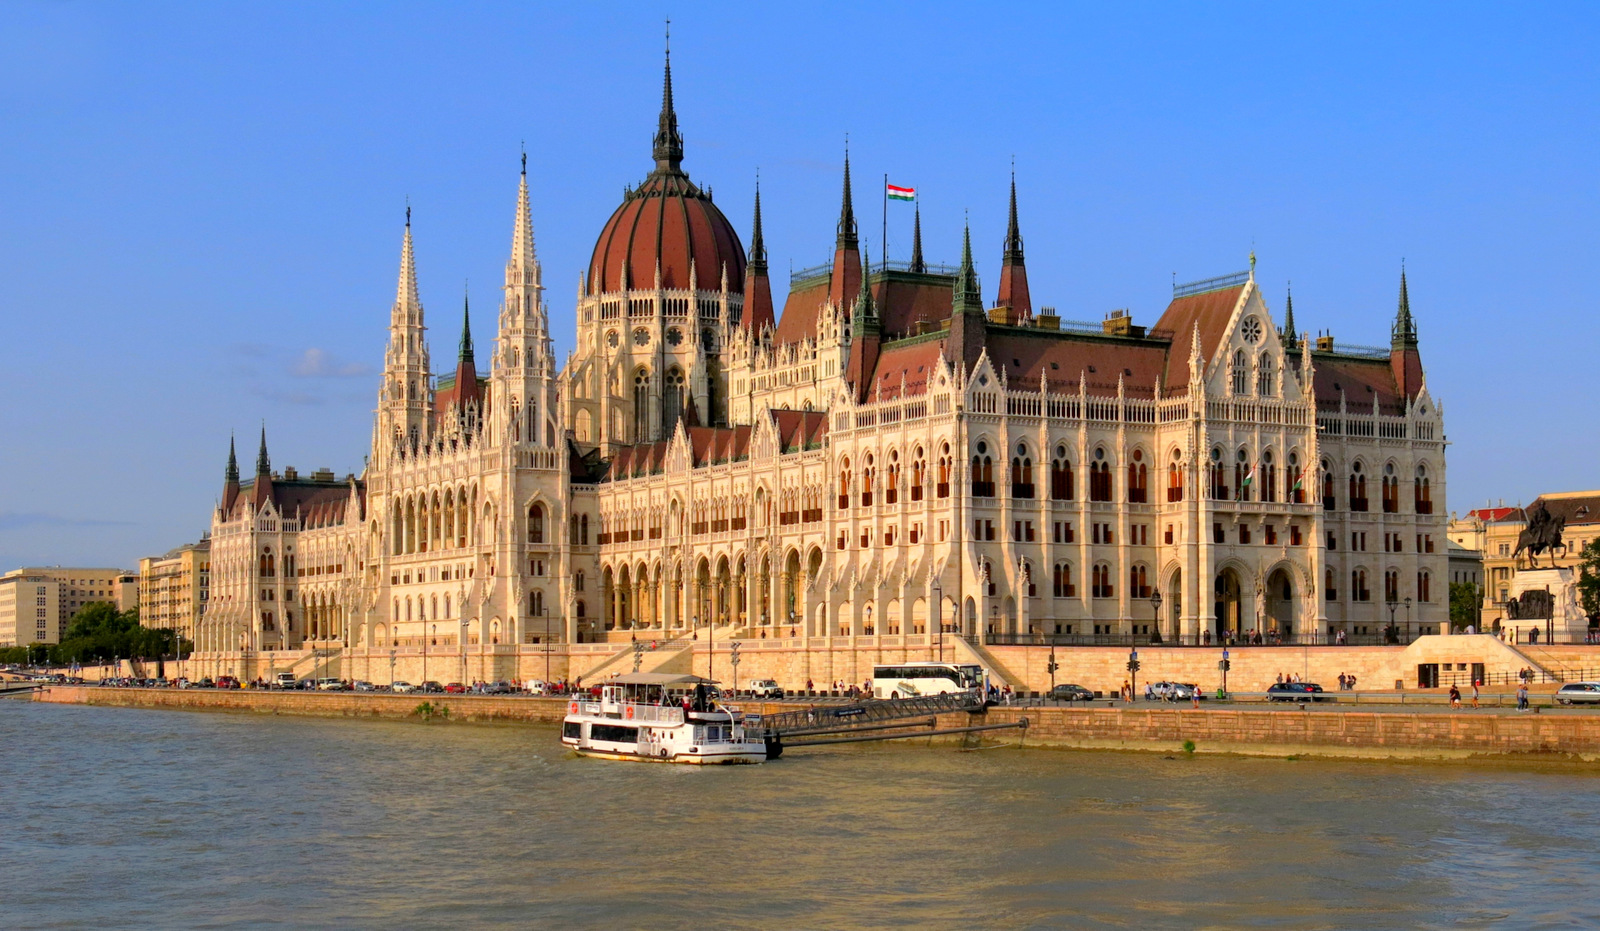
(870, 720)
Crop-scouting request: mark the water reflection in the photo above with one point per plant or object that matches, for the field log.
(130, 818)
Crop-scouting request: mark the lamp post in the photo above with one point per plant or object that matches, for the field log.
(938, 612)
(1155, 608)
(1392, 631)
(734, 660)
(1408, 619)
(1133, 672)
(1223, 665)
(1052, 666)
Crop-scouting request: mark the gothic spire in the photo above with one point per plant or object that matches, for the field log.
(464, 352)
(263, 464)
(847, 213)
(1013, 251)
(406, 291)
(918, 266)
(1405, 329)
(758, 245)
(522, 252)
(1289, 336)
(864, 308)
(232, 473)
(967, 297)
(668, 151)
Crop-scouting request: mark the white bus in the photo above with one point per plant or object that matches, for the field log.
(915, 680)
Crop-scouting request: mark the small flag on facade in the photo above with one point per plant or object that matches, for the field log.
(1250, 477)
(896, 192)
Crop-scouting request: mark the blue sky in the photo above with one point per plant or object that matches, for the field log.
(201, 205)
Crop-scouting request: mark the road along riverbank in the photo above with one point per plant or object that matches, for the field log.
(1329, 732)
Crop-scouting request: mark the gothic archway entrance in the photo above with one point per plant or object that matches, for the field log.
(1227, 606)
(1281, 602)
(1172, 604)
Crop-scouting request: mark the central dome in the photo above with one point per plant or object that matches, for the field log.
(667, 220)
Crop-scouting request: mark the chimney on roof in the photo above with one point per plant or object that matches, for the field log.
(1047, 319)
(1325, 343)
(289, 474)
(1120, 323)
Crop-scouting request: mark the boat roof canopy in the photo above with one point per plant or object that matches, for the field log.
(658, 678)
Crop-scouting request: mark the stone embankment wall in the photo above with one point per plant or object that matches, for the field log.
(1282, 732)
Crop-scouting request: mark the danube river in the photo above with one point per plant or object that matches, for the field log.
(121, 818)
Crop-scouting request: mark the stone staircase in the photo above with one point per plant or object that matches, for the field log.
(968, 652)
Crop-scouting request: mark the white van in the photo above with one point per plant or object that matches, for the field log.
(285, 680)
(330, 685)
(764, 688)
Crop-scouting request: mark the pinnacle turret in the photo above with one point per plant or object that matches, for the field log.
(464, 355)
(523, 256)
(1405, 329)
(1013, 250)
(847, 214)
(232, 473)
(967, 298)
(918, 266)
(1289, 335)
(263, 463)
(405, 297)
(865, 312)
(758, 244)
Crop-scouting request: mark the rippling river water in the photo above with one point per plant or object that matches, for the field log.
(115, 818)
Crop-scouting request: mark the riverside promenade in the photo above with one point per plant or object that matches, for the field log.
(1348, 731)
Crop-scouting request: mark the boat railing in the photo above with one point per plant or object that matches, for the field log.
(654, 714)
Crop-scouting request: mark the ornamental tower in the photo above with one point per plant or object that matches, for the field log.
(523, 368)
(406, 396)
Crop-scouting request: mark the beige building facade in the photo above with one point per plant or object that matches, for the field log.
(1493, 531)
(174, 588)
(894, 457)
(37, 603)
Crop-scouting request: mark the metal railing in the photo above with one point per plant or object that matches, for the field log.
(860, 714)
(1210, 284)
(929, 268)
(1402, 638)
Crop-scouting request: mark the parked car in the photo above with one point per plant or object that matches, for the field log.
(330, 685)
(284, 680)
(1295, 691)
(765, 688)
(455, 688)
(536, 687)
(402, 688)
(1578, 693)
(498, 688)
(362, 685)
(1171, 691)
(432, 687)
(1066, 691)
(227, 682)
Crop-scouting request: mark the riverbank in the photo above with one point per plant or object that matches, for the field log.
(1321, 732)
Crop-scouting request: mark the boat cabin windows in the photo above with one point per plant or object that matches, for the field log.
(615, 733)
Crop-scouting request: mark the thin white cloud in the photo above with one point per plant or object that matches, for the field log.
(319, 363)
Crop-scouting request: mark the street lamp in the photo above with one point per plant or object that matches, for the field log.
(1155, 608)
(1408, 619)
(1052, 666)
(1133, 672)
(1223, 665)
(1392, 635)
(938, 611)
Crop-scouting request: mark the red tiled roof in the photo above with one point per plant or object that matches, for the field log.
(800, 430)
(911, 364)
(800, 312)
(1063, 359)
(1494, 515)
(668, 219)
(710, 445)
(1210, 310)
(907, 305)
(1361, 380)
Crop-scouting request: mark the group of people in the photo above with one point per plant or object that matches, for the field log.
(1290, 677)
(1347, 682)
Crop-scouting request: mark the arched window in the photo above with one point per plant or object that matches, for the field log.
(672, 397)
(919, 475)
(1241, 373)
(982, 471)
(1391, 585)
(583, 530)
(536, 524)
(1022, 472)
(942, 487)
(536, 603)
(1244, 476)
(1100, 585)
(1061, 475)
(1422, 492)
(1100, 477)
(891, 489)
(1175, 477)
(1269, 477)
(1391, 489)
(1327, 485)
(1264, 383)
(1424, 587)
(1138, 582)
(868, 472)
(1358, 488)
(1061, 581)
(1138, 479)
(1330, 584)
(1358, 586)
(1219, 477)
(988, 573)
(844, 483)
(1295, 479)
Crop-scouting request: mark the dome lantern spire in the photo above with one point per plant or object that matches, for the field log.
(668, 149)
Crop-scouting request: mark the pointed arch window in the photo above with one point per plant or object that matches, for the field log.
(1175, 477)
(982, 471)
(1138, 479)
(641, 406)
(844, 483)
(891, 488)
(1264, 384)
(1061, 475)
(1100, 477)
(942, 487)
(672, 397)
(1022, 472)
(1241, 373)
(536, 524)
(1422, 492)
(1061, 581)
(1358, 488)
(919, 475)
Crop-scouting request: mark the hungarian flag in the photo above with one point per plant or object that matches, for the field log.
(901, 193)
(1250, 477)
(1299, 479)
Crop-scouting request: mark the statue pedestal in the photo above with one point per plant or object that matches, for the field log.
(1567, 622)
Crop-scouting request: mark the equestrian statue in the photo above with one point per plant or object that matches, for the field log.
(1542, 534)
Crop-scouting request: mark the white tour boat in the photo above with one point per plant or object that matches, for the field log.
(642, 716)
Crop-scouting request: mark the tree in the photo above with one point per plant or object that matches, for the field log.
(1589, 578)
(1466, 605)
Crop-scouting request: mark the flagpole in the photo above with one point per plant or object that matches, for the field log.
(884, 255)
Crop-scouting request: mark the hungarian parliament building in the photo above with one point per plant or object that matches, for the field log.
(895, 458)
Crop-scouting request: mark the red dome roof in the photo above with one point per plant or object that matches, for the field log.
(670, 220)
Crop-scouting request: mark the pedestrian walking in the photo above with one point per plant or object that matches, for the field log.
(1455, 698)
(1522, 697)
(1474, 693)
(1194, 696)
